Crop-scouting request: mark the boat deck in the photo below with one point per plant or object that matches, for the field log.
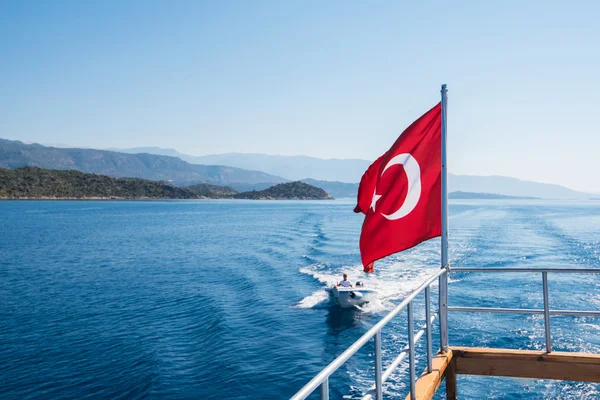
(580, 367)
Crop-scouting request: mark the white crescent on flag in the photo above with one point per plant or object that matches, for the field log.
(413, 173)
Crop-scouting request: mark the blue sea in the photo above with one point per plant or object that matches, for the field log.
(226, 299)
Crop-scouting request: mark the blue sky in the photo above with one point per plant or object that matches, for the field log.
(332, 79)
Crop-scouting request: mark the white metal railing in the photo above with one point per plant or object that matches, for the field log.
(546, 311)
(322, 378)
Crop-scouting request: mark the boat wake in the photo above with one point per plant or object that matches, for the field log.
(319, 299)
(392, 280)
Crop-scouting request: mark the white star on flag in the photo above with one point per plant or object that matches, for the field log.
(374, 200)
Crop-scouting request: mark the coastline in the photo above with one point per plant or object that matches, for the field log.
(95, 198)
(115, 198)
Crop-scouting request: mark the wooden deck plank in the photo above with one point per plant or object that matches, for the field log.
(527, 364)
(427, 384)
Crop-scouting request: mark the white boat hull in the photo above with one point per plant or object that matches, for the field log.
(350, 297)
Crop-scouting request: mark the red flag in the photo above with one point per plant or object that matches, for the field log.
(401, 192)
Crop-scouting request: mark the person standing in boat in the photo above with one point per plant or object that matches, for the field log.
(345, 282)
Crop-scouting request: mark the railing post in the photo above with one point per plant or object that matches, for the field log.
(546, 312)
(443, 313)
(325, 389)
(411, 352)
(428, 326)
(378, 367)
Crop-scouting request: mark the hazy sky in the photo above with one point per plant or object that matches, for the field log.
(332, 79)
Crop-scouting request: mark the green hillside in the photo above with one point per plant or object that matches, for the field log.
(37, 183)
(287, 191)
(212, 191)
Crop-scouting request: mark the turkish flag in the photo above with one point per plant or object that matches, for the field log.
(401, 192)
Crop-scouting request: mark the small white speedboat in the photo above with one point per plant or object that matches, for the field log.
(353, 296)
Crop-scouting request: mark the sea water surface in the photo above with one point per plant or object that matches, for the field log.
(226, 299)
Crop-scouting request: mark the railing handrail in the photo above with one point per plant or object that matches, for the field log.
(357, 345)
(322, 378)
(531, 311)
(523, 270)
(546, 311)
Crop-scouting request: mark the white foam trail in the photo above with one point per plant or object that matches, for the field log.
(317, 298)
(393, 279)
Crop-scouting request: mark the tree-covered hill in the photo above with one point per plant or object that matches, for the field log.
(287, 191)
(37, 183)
(212, 191)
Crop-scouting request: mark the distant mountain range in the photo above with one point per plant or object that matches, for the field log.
(15, 154)
(340, 177)
(486, 196)
(289, 167)
(337, 177)
(507, 186)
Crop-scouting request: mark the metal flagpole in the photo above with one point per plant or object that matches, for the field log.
(444, 259)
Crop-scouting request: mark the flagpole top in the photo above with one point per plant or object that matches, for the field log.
(444, 88)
